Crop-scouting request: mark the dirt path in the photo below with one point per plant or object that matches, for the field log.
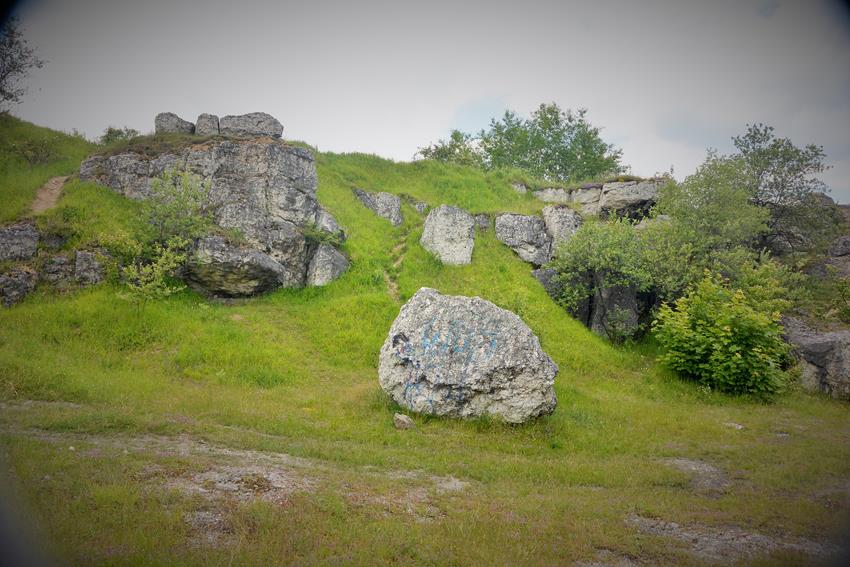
(48, 195)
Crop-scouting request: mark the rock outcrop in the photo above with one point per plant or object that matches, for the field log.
(88, 267)
(824, 358)
(18, 241)
(262, 187)
(465, 357)
(250, 125)
(449, 234)
(16, 283)
(632, 199)
(526, 235)
(561, 223)
(327, 264)
(207, 125)
(170, 123)
(385, 205)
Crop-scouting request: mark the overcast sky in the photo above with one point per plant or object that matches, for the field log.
(665, 79)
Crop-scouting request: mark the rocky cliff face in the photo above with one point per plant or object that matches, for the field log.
(262, 187)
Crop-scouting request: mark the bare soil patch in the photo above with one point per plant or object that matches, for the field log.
(48, 195)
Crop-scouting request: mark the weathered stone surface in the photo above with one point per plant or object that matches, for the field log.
(129, 173)
(615, 312)
(217, 267)
(632, 199)
(18, 241)
(58, 270)
(327, 264)
(88, 268)
(520, 188)
(465, 357)
(482, 221)
(250, 125)
(449, 234)
(824, 358)
(840, 247)
(587, 198)
(170, 123)
(526, 235)
(401, 421)
(561, 223)
(385, 205)
(553, 195)
(16, 284)
(207, 125)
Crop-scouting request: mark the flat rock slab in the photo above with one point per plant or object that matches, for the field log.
(385, 205)
(526, 235)
(704, 477)
(465, 357)
(249, 125)
(449, 234)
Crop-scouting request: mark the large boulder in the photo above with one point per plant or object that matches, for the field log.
(327, 264)
(587, 198)
(449, 234)
(385, 205)
(526, 235)
(170, 123)
(263, 188)
(632, 199)
(824, 358)
(465, 357)
(16, 284)
(218, 267)
(250, 125)
(207, 125)
(18, 241)
(561, 223)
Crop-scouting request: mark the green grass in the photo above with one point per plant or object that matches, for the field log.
(296, 372)
(19, 180)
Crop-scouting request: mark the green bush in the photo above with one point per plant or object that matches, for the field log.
(718, 337)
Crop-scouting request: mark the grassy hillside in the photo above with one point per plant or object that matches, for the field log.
(110, 410)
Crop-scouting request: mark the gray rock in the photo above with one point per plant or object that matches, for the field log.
(207, 125)
(219, 268)
(385, 205)
(170, 123)
(520, 188)
(327, 264)
(553, 195)
(840, 247)
(465, 357)
(401, 421)
(327, 223)
(546, 277)
(482, 221)
(632, 199)
(420, 206)
(449, 234)
(16, 284)
(824, 358)
(554, 287)
(251, 125)
(526, 235)
(88, 269)
(614, 311)
(18, 241)
(129, 173)
(58, 270)
(561, 223)
(587, 198)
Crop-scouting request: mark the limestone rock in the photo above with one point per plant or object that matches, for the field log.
(170, 123)
(587, 198)
(385, 205)
(58, 270)
(401, 421)
(520, 188)
(561, 223)
(251, 125)
(16, 284)
(824, 357)
(327, 264)
(632, 199)
(840, 247)
(465, 357)
(449, 234)
(88, 269)
(553, 195)
(128, 173)
(217, 267)
(526, 235)
(18, 241)
(207, 125)
(482, 221)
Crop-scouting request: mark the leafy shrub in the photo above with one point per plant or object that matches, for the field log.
(152, 280)
(37, 151)
(112, 135)
(177, 206)
(718, 337)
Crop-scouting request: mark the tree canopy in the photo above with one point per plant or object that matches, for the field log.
(17, 58)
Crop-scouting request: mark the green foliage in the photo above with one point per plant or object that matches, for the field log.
(154, 279)
(177, 206)
(781, 177)
(315, 234)
(17, 59)
(112, 135)
(723, 339)
(552, 144)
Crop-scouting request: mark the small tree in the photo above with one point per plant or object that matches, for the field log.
(17, 59)
(459, 148)
(154, 279)
(177, 206)
(112, 135)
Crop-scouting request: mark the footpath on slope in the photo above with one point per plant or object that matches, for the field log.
(48, 195)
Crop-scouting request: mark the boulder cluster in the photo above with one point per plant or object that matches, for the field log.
(260, 186)
(26, 266)
(632, 199)
(249, 125)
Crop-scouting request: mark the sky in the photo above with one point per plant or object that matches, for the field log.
(664, 79)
